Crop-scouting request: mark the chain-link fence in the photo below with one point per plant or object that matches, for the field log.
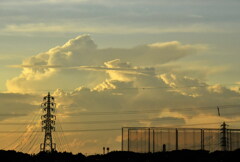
(155, 139)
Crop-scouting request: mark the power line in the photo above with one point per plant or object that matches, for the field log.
(112, 121)
(23, 133)
(26, 137)
(58, 140)
(140, 88)
(62, 134)
(138, 112)
(32, 138)
(35, 147)
(13, 115)
(117, 129)
(150, 110)
(73, 130)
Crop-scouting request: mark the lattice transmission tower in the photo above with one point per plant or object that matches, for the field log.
(48, 122)
(224, 137)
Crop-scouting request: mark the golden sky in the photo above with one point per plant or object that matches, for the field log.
(115, 63)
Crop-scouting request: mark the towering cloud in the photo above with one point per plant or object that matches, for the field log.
(82, 51)
(118, 80)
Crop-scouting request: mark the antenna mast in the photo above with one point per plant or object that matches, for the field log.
(48, 122)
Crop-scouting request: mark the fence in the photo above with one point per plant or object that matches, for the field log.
(155, 139)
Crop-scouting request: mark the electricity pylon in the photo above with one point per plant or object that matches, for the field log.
(48, 122)
(224, 138)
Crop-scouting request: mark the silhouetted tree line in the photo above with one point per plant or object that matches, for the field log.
(123, 156)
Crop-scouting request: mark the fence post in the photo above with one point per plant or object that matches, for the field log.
(230, 139)
(202, 139)
(128, 140)
(153, 141)
(122, 139)
(176, 139)
(149, 140)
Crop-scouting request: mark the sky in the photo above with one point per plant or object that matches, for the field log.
(112, 64)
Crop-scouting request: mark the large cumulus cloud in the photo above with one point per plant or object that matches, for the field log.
(118, 78)
(126, 84)
(83, 51)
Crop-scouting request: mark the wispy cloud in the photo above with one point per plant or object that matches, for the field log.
(196, 16)
(111, 29)
(88, 68)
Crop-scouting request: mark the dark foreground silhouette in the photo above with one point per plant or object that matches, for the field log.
(120, 156)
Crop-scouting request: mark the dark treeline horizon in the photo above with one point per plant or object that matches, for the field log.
(123, 156)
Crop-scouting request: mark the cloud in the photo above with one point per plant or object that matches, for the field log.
(121, 84)
(83, 52)
(168, 102)
(17, 105)
(73, 27)
(79, 62)
(196, 16)
(164, 121)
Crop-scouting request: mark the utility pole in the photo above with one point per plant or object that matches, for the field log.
(218, 109)
(103, 150)
(48, 122)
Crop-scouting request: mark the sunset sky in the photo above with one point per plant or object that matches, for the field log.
(116, 63)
